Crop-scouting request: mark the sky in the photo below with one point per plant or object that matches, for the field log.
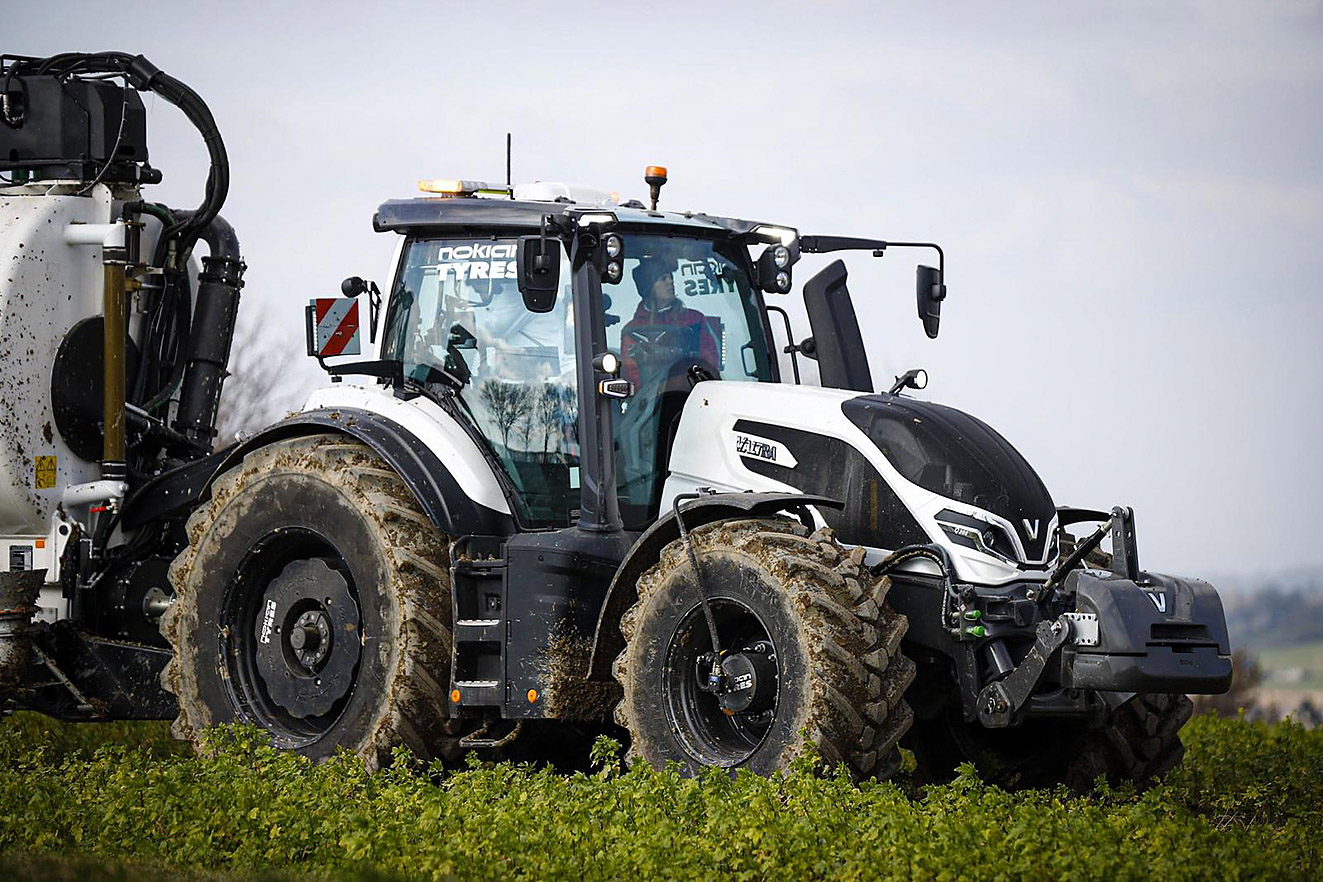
(1129, 195)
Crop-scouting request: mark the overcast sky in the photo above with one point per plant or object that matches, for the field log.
(1130, 195)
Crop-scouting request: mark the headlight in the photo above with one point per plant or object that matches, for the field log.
(615, 247)
(781, 256)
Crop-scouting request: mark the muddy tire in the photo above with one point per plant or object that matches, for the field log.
(1139, 742)
(314, 602)
(826, 643)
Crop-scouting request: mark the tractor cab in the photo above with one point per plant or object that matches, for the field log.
(676, 304)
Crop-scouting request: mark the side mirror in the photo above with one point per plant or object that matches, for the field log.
(931, 291)
(914, 378)
(538, 259)
(353, 287)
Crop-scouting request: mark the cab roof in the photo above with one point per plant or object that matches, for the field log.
(469, 215)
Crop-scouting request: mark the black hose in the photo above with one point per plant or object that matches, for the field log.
(698, 574)
(143, 75)
(933, 552)
(214, 315)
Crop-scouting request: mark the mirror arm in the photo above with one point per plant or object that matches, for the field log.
(374, 308)
(941, 259)
(791, 349)
(824, 244)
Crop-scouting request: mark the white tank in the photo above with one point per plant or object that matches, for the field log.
(46, 287)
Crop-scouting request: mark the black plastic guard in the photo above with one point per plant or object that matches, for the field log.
(1163, 634)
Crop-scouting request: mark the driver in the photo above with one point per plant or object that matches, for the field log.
(662, 330)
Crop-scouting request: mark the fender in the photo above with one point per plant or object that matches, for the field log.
(444, 502)
(608, 642)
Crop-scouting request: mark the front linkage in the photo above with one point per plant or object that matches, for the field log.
(1087, 640)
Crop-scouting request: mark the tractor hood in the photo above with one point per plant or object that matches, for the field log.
(907, 472)
(959, 457)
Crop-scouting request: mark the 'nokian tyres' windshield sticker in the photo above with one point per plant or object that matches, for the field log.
(477, 260)
(710, 276)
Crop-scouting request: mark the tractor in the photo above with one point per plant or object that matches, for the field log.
(567, 489)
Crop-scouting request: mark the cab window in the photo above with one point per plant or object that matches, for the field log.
(457, 317)
(681, 304)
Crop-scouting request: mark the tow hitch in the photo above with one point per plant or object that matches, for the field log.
(999, 702)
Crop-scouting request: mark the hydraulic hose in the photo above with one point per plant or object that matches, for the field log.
(145, 76)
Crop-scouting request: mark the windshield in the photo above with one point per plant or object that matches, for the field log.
(680, 303)
(457, 316)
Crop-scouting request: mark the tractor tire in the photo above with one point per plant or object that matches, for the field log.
(313, 601)
(1138, 743)
(828, 643)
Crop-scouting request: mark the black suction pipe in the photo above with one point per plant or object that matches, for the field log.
(214, 315)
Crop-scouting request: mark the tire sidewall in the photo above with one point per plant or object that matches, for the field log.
(669, 605)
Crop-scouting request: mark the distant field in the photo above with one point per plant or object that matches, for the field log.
(1293, 667)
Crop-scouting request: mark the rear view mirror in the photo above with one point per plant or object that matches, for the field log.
(538, 260)
(930, 291)
(354, 286)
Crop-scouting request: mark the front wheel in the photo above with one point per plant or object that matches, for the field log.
(810, 647)
(1139, 742)
(313, 602)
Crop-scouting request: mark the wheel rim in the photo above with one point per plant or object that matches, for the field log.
(711, 735)
(290, 636)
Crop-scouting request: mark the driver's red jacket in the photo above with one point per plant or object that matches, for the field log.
(633, 349)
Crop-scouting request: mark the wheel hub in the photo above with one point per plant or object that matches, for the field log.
(750, 681)
(721, 716)
(307, 638)
(310, 639)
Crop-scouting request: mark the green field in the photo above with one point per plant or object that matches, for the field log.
(119, 802)
(1305, 657)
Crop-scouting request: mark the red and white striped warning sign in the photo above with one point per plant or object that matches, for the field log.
(337, 326)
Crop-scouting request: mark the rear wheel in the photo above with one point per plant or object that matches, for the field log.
(810, 648)
(313, 601)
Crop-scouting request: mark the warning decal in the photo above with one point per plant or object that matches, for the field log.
(337, 326)
(44, 479)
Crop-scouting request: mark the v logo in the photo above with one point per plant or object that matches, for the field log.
(1159, 600)
(1031, 528)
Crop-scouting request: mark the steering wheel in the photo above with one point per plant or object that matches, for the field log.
(661, 342)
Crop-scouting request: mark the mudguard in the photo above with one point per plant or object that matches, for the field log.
(621, 595)
(1164, 634)
(444, 502)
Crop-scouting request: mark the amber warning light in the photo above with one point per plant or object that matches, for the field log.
(654, 176)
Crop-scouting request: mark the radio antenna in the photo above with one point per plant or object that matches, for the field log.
(509, 182)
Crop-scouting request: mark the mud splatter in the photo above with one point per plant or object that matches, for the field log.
(567, 692)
